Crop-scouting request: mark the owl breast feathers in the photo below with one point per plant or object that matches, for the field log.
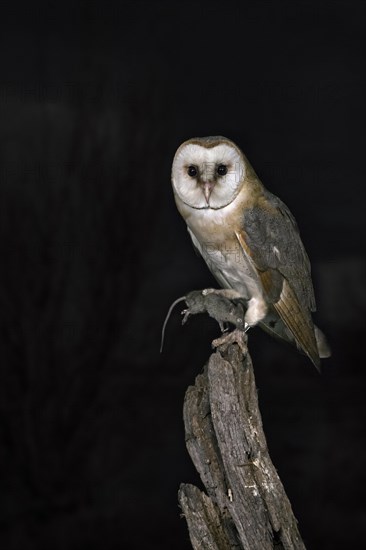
(249, 240)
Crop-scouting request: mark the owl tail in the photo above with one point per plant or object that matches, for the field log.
(276, 328)
(322, 344)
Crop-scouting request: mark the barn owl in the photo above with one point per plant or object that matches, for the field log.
(249, 240)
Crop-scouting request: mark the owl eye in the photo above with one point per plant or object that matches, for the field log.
(222, 169)
(192, 171)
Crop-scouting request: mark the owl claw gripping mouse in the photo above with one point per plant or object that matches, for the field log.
(249, 240)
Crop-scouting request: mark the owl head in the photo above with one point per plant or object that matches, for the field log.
(208, 172)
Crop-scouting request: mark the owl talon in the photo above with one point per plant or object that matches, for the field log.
(237, 336)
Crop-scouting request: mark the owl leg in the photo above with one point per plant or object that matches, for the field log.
(256, 311)
(237, 336)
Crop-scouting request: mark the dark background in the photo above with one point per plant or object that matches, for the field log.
(94, 100)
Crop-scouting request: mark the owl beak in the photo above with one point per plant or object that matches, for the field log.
(207, 188)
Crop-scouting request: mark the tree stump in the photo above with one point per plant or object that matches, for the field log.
(246, 506)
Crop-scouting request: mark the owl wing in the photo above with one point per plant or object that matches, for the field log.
(270, 239)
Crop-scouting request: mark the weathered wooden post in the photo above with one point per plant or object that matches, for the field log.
(246, 506)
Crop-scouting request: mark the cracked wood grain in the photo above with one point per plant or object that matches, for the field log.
(246, 506)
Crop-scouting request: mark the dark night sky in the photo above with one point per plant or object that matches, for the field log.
(94, 101)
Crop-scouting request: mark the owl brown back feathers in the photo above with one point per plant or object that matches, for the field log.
(249, 240)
